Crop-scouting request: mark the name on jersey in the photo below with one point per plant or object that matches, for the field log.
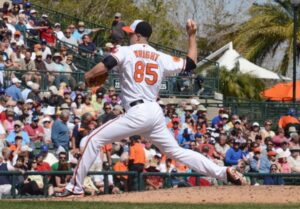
(146, 54)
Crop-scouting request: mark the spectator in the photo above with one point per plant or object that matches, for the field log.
(45, 49)
(87, 48)
(21, 26)
(234, 154)
(153, 182)
(222, 147)
(28, 65)
(27, 90)
(10, 139)
(41, 164)
(273, 180)
(14, 90)
(60, 181)
(57, 30)
(259, 163)
(184, 139)
(67, 38)
(294, 159)
(284, 165)
(254, 131)
(81, 31)
(137, 159)
(294, 140)
(122, 166)
(290, 118)
(8, 123)
(47, 130)
(47, 33)
(54, 99)
(17, 38)
(117, 34)
(267, 130)
(35, 131)
(60, 132)
(35, 93)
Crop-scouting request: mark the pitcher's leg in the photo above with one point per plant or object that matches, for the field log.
(113, 130)
(163, 139)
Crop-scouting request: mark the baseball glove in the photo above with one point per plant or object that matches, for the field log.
(98, 80)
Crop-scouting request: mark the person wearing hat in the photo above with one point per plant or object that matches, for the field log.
(294, 159)
(290, 118)
(21, 25)
(34, 130)
(255, 130)
(234, 154)
(45, 49)
(17, 38)
(18, 126)
(98, 101)
(188, 112)
(283, 163)
(82, 30)
(46, 122)
(117, 34)
(57, 30)
(259, 162)
(54, 99)
(267, 130)
(14, 91)
(138, 104)
(35, 93)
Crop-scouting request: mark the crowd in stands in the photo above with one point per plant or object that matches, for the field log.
(47, 131)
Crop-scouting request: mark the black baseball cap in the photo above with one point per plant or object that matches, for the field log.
(139, 26)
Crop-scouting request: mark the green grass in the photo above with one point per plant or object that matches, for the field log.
(100, 205)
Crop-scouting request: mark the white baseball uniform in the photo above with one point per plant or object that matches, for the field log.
(141, 70)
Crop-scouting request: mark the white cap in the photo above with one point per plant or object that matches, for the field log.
(29, 83)
(255, 124)
(225, 116)
(50, 110)
(26, 148)
(21, 11)
(44, 15)
(46, 119)
(33, 11)
(16, 80)
(28, 101)
(53, 89)
(194, 102)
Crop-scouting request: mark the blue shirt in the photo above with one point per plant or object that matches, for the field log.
(12, 135)
(182, 139)
(233, 156)
(14, 92)
(60, 134)
(264, 164)
(216, 120)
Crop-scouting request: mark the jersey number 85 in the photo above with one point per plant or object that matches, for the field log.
(150, 69)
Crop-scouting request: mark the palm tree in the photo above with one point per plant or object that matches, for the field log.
(270, 26)
(242, 86)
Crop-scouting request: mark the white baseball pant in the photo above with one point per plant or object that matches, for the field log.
(144, 119)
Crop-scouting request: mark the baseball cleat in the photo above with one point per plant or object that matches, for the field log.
(235, 177)
(67, 193)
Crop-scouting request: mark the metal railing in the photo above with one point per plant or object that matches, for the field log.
(139, 179)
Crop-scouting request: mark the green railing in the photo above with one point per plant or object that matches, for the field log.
(138, 179)
(171, 86)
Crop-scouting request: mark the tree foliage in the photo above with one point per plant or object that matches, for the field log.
(270, 26)
(243, 86)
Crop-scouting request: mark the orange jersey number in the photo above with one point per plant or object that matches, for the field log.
(139, 72)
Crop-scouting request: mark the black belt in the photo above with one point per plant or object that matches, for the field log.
(136, 102)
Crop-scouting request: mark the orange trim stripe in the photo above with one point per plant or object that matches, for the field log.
(89, 139)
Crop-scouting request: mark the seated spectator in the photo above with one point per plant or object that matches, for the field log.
(69, 40)
(57, 30)
(117, 34)
(122, 166)
(273, 180)
(87, 48)
(81, 31)
(255, 130)
(9, 122)
(290, 118)
(153, 182)
(35, 131)
(284, 166)
(267, 130)
(259, 162)
(14, 90)
(47, 33)
(35, 93)
(45, 49)
(60, 181)
(294, 159)
(184, 139)
(10, 139)
(221, 146)
(234, 154)
(21, 26)
(41, 165)
(28, 66)
(47, 130)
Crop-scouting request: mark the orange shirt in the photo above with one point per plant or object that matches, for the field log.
(106, 148)
(284, 120)
(121, 167)
(137, 154)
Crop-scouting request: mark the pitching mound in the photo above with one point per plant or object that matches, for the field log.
(220, 194)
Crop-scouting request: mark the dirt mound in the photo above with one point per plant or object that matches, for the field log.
(220, 194)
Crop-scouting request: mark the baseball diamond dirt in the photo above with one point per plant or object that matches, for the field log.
(217, 195)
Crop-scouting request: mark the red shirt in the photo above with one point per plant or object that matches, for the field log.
(48, 34)
(34, 131)
(43, 167)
